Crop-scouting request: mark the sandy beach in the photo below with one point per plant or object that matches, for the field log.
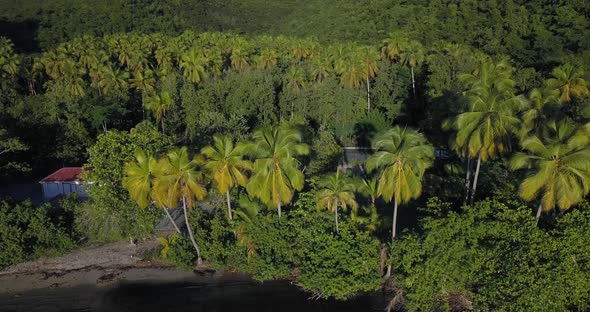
(96, 264)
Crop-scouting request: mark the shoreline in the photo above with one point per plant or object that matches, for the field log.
(100, 265)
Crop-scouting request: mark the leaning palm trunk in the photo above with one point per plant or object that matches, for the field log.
(279, 208)
(228, 204)
(538, 216)
(475, 179)
(190, 231)
(467, 181)
(171, 220)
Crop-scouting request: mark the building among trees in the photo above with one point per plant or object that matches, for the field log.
(64, 181)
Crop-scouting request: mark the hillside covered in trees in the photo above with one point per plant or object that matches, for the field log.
(474, 115)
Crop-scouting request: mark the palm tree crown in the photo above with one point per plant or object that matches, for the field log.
(402, 156)
(568, 79)
(336, 191)
(226, 165)
(560, 166)
(276, 169)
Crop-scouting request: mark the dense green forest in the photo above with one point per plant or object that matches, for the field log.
(474, 115)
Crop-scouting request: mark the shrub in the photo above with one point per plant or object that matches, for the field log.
(178, 250)
(495, 256)
(27, 232)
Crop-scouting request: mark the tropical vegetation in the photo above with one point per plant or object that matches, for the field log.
(285, 151)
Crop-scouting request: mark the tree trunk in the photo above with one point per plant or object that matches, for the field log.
(394, 224)
(163, 130)
(539, 210)
(228, 204)
(467, 181)
(171, 220)
(190, 232)
(336, 216)
(413, 81)
(279, 208)
(475, 179)
(368, 95)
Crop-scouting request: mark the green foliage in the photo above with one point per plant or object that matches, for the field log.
(28, 232)
(338, 266)
(178, 250)
(492, 264)
(111, 214)
(303, 243)
(326, 154)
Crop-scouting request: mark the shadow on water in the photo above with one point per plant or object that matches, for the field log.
(242, 296)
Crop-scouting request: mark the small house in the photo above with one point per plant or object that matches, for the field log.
(63, 182)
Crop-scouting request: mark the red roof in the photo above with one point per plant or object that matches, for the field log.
(66, 174)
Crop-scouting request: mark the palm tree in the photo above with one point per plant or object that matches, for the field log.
(351, 73)
(276, 169)
(239, 58)
(192, 64)
(226, 165)
(8, 59)
(267, 59)
(139, 182)
(112, 80)
(568, 79)
(72, 78)
(143, 82)
(485, 130)
(391, 48)
(295, 79)
(159, 105)
(412, 55)
(534, 118)
(402, 156)
(321, 68)
(369, 188)
(334, 192)
(559, 166)
(368, 59)
(180, 180)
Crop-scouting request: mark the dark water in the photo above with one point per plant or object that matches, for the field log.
(185, 296)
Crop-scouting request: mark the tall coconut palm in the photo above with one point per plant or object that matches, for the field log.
(351, 73)
(159, 105)
(226, 165)
(139, 182)
(181, 181)
(568, 79)
(401, 158)
(485, 130)
(336, 191)
(276, 169)
(368, 59)
(412, 55)
(559, 167)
